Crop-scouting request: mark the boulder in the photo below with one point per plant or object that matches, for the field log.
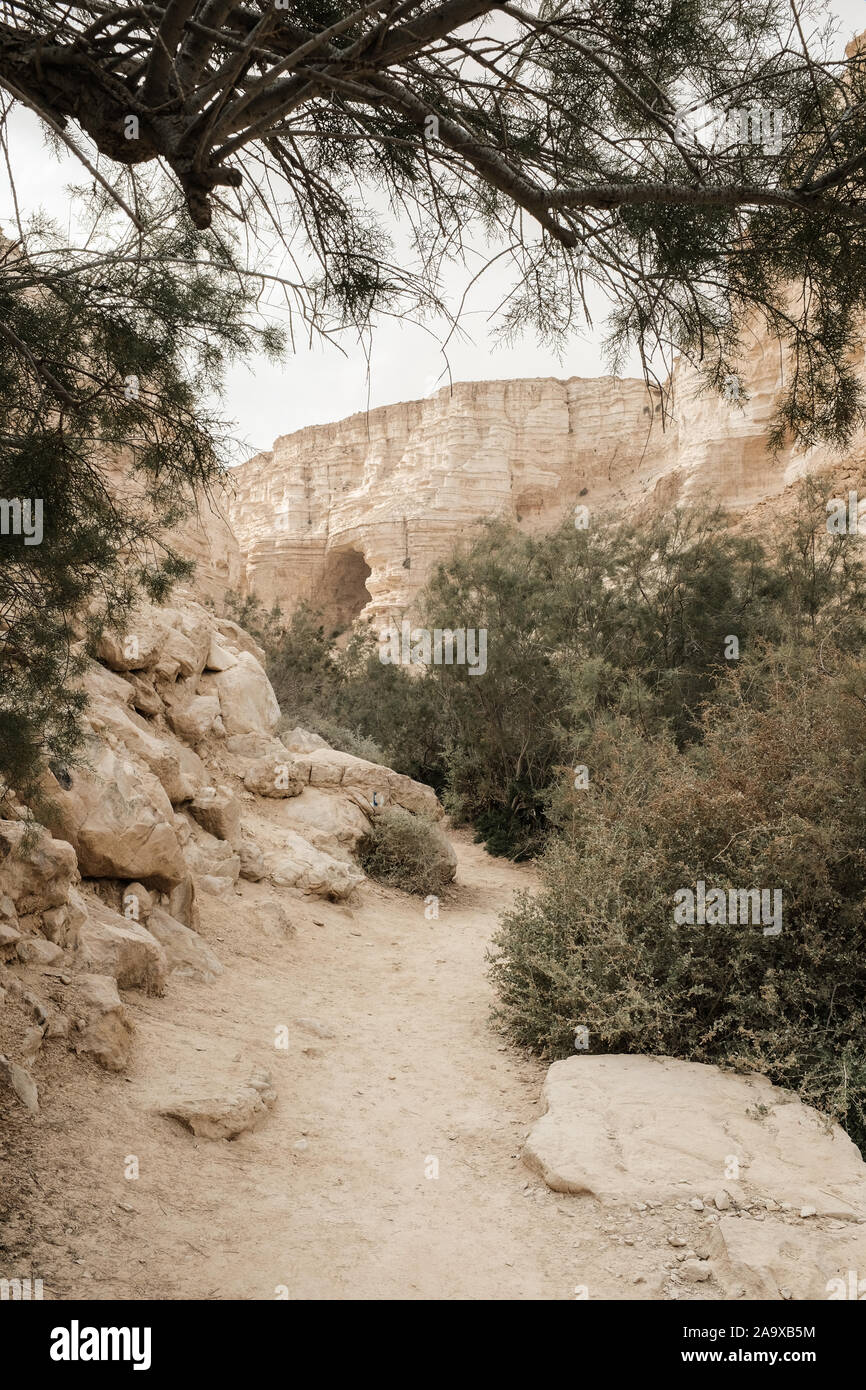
(185, 951)
(219, 658)
(165, 672)
(36, 871)
(189, 656)
(299, 740)
(102, 684)
(332, 821)
(301, 866)
(237, 637)
(194, 719)
(228, 1115)
(9, 938)
(62, 924)
(633, 1128)
(144, 696)
(118, 818)
(104, 1031)
(760, 1259)
(178, 769)
(247, 701)
(137, 903)
(328, 767)
(274, 778)
(176, 638)
(35, 950)
(125, 950)
(252, 861)
(257, 746)
(213, 857)
(182, 904)
(139, 645)
(218, 811)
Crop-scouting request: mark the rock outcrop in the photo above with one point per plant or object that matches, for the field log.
(353, 516)
(183, 789)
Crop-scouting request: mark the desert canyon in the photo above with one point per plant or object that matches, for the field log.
(353, 516)
(233, 1067)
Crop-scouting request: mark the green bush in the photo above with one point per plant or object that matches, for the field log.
(771, 797)
(408, 852)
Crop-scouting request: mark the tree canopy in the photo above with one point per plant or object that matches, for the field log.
(701, 162)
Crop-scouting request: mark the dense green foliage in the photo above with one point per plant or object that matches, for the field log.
(766, 791)
(615, 620)
(109, 354)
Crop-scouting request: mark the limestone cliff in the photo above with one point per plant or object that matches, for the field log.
(354, 515)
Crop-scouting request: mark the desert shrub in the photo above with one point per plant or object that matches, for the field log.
(407, 851)
(771, 797)
(617, 622)
(579, 623)
(347, 696)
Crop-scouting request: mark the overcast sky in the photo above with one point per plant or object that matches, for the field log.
(318, 383)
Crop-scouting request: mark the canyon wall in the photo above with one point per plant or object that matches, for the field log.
(353, 516)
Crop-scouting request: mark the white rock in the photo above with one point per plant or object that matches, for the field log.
(228, 1115)
(107, 1033)
(247, 700)
(113, 945)
(185, 951)
(613, 1123)
(299, 865)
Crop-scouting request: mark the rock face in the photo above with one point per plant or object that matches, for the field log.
(143, 827)
(613, 1121)
(353, 516)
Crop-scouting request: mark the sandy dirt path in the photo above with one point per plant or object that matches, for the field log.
(392, 1072)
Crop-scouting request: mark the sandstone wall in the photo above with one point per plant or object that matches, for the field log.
(354, 515)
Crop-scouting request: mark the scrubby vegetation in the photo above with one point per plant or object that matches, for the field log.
(109, 355)
(625, 619)
(406, 851)
(759, 786)
(621, 736)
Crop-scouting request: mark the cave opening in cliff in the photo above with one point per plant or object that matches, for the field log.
(344, 591)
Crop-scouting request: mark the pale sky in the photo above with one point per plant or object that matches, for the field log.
(318, 383)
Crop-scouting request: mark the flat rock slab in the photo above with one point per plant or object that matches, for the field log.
(226, 1116)
(629, 1129)
(772, 1259)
